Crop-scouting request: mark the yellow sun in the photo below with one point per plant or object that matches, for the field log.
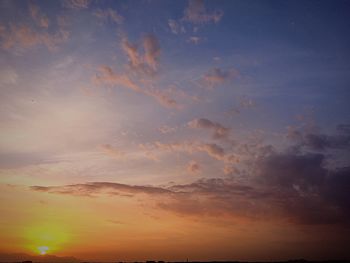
(46, 238)
(43, 250)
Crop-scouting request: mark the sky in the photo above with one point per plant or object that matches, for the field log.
(174, 130)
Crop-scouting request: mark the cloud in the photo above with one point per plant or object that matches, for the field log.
(109, 15)
(8, 77)
(163, 98)
(107, 76)
(291, 186)
(319, 141)
(111, 151)
(167, 129)
(196, 13)
(309, 192)
(88, 189)
(195, 40)
(193, 167)
(219, 131)
(40, 19)
(152, 50)
(22, 37)
(146, 62)
(176, 27)
(216, 77)
(76, 4)
(211, 149)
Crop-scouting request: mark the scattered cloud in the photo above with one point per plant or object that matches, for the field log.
(197, 13)
(176, 27)
(217, 76)
(39, 18)
(193, 167)
(112, 151)
(109, 15)
(195, 40)
(146, 62)
(319, 141)
(152, 50)
(219, 131)
(167, 129)
(76, 4)
(8, 76)
(293, 187)
(22, 36)
(211, 149)
(88, 189)
(107, 76)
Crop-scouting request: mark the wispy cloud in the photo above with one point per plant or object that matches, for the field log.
(76, 4)
(22, 36)
(195, 14)
(112, 151)
(109, 15)
(107, 76)
(146, 62)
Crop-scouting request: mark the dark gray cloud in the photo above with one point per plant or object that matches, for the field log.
(322, 142)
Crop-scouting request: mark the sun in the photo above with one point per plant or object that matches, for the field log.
(43, 250)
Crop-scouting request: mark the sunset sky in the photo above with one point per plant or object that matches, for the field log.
(174, 130)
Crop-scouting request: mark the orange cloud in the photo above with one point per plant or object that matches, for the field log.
(111, 151)
(107, 76)
(146, 62)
